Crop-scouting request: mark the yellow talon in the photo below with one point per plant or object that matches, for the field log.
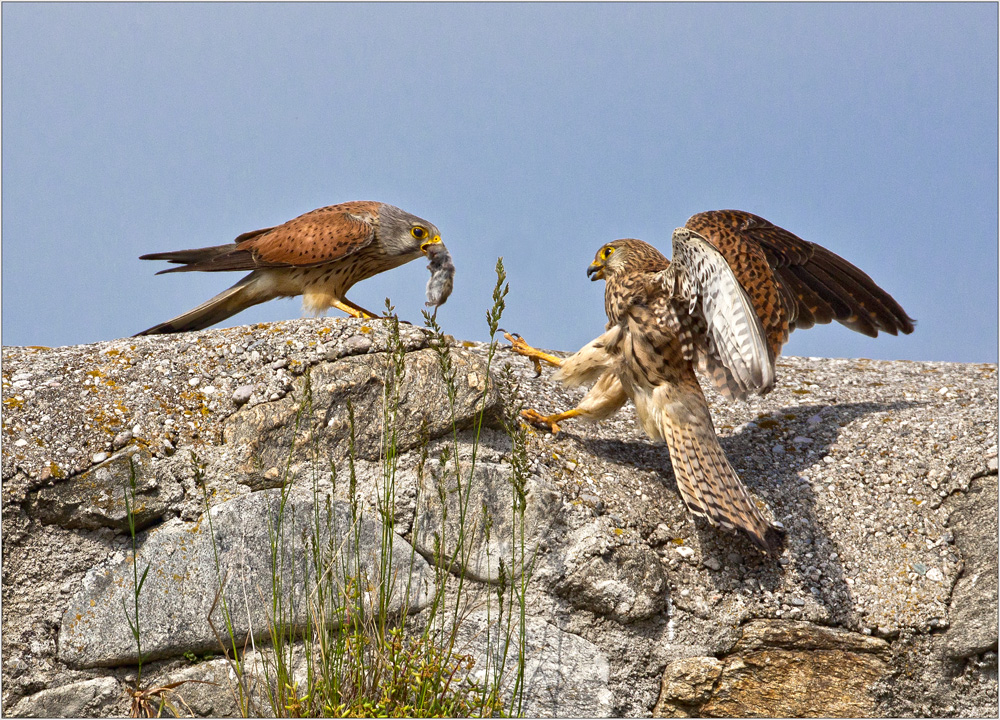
(550, 421)
(518, 345)
(536, 418)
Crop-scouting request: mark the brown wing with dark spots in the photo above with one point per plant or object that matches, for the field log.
(816, 285)
(725, 230)
(316, 238)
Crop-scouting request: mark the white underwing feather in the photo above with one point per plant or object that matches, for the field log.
(705, 286)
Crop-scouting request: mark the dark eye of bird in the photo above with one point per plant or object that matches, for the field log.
(419, 233)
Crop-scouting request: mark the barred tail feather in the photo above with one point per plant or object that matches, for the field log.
(247, 292)
(708, 484)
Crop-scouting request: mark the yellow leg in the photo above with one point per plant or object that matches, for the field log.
(518, 345)
(351, 309)
(551, 421)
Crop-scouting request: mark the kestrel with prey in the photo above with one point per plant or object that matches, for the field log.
(737, 286)
(319, 255)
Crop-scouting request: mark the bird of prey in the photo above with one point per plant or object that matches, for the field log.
(736, 288)
(319, 255)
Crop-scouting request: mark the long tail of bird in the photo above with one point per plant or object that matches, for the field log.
(239, 297)
(708, 484)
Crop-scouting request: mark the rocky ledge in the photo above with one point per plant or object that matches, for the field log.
(884, 474)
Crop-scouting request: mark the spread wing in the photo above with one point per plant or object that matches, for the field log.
(316, 238)
(803, 283)
(714, 317)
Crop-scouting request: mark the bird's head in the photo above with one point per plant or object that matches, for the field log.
(624, 256)
(404, 234)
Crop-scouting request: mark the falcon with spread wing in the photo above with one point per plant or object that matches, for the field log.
(319, 255)
(736, 288)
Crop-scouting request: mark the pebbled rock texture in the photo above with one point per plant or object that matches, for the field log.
(883, 473)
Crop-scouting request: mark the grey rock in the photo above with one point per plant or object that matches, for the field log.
(269, 433)
(493, 531)
(181, 589)
(626, 583)
(242, 394)
(797, 635)
(593, 501)
(876, 495)
(355, 345)
(221, 688)
(96, 498)
(564, 674)
(121, 439)
(210, 689)
(974, 600)
(87, 698)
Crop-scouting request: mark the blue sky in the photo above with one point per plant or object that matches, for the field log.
(532, 131)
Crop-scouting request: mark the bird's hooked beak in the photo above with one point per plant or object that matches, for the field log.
(596, 270)
(426, 244)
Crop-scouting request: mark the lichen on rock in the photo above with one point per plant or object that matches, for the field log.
(886, 484)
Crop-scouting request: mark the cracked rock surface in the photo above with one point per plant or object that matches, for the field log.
(883, 473)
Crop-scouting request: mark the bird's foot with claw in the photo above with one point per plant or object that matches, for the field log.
(536, 418)
(518, 345)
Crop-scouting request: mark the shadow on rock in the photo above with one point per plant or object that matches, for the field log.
(772, 472)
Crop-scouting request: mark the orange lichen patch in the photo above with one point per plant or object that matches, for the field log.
(196, 528)
(14, 403)
(801, 391)
(365, 329)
